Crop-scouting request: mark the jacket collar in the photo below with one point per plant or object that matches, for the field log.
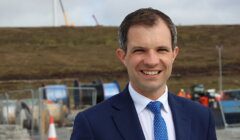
(181, 119)
(126, 118)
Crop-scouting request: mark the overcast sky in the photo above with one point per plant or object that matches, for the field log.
(24, 13)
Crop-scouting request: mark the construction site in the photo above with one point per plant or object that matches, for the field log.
(33, 116)
(49, 111)
(48, 75)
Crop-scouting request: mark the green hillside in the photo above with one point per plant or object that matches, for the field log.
(88, 53)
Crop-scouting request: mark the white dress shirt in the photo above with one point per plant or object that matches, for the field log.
(146, 117)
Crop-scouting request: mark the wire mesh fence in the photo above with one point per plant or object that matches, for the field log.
(31, 109)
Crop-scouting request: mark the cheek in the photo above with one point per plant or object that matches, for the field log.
(167, 62)
(133, 60)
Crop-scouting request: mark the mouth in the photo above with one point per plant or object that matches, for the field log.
(151, 73)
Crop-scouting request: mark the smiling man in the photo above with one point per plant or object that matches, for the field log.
(145, 109)
(148, 57)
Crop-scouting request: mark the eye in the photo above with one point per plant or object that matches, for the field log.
(163, 49)
(138, 50)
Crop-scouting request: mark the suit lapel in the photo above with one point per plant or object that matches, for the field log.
(181, 120)
(126, 118)
(127, 122)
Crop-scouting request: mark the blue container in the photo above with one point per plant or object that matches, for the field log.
(110, 89)
(231, 106)
(231, 110)
(57, 93)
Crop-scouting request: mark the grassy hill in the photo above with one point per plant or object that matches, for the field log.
(42, 55)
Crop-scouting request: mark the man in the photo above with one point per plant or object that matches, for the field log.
(148, 48)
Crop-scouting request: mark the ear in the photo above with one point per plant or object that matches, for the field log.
(175, 52)
(120, 53)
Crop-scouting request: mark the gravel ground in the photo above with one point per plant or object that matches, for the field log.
(64, 133)
(230, 133)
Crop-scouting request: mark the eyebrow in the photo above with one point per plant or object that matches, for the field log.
(158, 47)
(163, 47)
(138, 47)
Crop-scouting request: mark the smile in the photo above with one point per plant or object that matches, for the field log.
(150, 72)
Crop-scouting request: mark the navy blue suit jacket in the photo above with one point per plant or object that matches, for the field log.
(117, 119)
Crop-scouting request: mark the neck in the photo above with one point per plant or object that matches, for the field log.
(152, 94)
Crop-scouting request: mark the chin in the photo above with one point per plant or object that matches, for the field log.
(150, 86)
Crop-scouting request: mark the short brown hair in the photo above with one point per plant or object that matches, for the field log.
(145, 16)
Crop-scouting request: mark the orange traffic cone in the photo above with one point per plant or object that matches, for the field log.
(182, 93)
(52, 131)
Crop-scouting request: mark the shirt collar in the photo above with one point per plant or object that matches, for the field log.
(141, 101)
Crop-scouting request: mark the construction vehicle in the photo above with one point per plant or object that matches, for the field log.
(95, 19)
(65, 15)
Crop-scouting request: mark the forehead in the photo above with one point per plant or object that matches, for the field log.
(158, 34)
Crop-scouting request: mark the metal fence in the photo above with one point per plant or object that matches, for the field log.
(31, 109)
(15, 114)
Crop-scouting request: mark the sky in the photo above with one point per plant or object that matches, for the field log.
(38, 13)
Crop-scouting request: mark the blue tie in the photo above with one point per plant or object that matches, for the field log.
(160, 128)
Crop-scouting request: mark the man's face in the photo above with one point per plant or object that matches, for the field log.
(149, 58)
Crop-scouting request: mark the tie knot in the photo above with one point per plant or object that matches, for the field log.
(154, 107)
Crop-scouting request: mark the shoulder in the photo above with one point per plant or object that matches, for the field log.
(105, 108)
(191, 107)
(185, 102)
(199, 116)
(116, 102)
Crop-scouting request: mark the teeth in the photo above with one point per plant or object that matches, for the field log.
(151, 72)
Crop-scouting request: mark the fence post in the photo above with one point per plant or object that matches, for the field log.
(40, 113)
(7, 99)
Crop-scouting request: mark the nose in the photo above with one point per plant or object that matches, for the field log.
(151, 59)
